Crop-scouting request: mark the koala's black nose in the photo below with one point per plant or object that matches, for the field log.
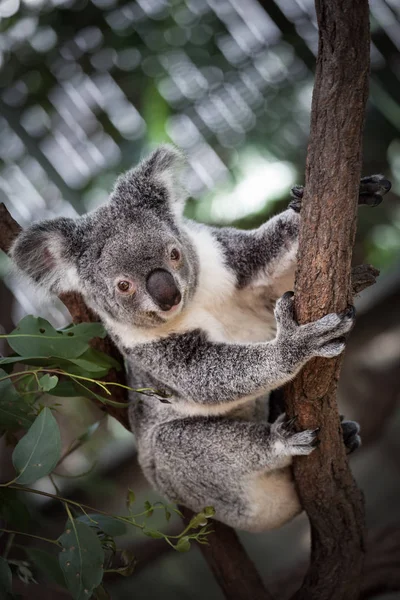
(162, 288)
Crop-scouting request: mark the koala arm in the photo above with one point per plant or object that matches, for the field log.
(268, 252)
(211, 373)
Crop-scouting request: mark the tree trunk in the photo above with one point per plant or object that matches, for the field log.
(326, 487)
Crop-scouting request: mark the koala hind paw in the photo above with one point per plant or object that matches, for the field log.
(351, 435)
(372, 188)
(295, 443)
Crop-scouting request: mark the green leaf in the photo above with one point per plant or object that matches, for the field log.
(183, 544)
(101, 358)
(14, 412)
(129, 562)
(153, 533)
(47, 564)
(109, 525)
(13, 510)
(85, 368)
(66, 389)
(5, 579)
(198, 521)
(48, 382)
(35, 336)
(149, 508)
(81, 559)
(130, 498)
(38, 452)
(37, 361)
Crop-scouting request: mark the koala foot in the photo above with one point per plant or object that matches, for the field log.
(372, 189)
(292, 443)
(325, 337)
(351, 435)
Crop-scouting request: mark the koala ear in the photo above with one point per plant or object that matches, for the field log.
(164, 166)
(45, 253)
(162, 169)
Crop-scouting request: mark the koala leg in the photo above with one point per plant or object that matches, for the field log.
(372, 189)
(240, 468)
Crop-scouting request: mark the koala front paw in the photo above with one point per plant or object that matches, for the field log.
(296, 193)
(325, 337)
(291, 443)
(372, 189)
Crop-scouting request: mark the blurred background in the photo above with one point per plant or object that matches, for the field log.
(87, 87)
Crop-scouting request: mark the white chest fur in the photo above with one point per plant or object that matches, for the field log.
(219, 308)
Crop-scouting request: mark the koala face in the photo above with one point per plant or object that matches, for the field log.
(131, 259)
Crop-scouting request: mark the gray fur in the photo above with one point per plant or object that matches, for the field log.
(217, 354)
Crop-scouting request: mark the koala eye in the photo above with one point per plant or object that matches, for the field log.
(125, 287)
(175, 254)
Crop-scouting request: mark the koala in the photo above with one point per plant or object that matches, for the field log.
(203, 315)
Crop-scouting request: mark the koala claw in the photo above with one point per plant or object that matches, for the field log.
(303, 442)
(295, 443)
(327, 336)
(284, 310)
(372, 189)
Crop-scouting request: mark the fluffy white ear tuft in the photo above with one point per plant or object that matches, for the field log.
(165, 167)
(45, 254)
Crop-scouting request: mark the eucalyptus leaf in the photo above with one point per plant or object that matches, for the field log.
(38, 452)
(66, 389)
(86, 367)
(183, 544)
(100, 358)
(37, 361)
(109, 525)
(14, 412)
(35, 336)
(48, 382)
(130, 498)
(153, 533)
(129, 561)
(47, 564)
(5, 579)
(81, 559)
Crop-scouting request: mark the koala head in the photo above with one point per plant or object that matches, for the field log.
(131, 259)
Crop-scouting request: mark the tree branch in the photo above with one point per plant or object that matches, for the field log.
(326, 487)
(233, 569)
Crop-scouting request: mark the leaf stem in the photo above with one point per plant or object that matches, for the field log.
(36, 537)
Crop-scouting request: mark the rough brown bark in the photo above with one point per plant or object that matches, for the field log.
(381, 573)
(326, 487)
